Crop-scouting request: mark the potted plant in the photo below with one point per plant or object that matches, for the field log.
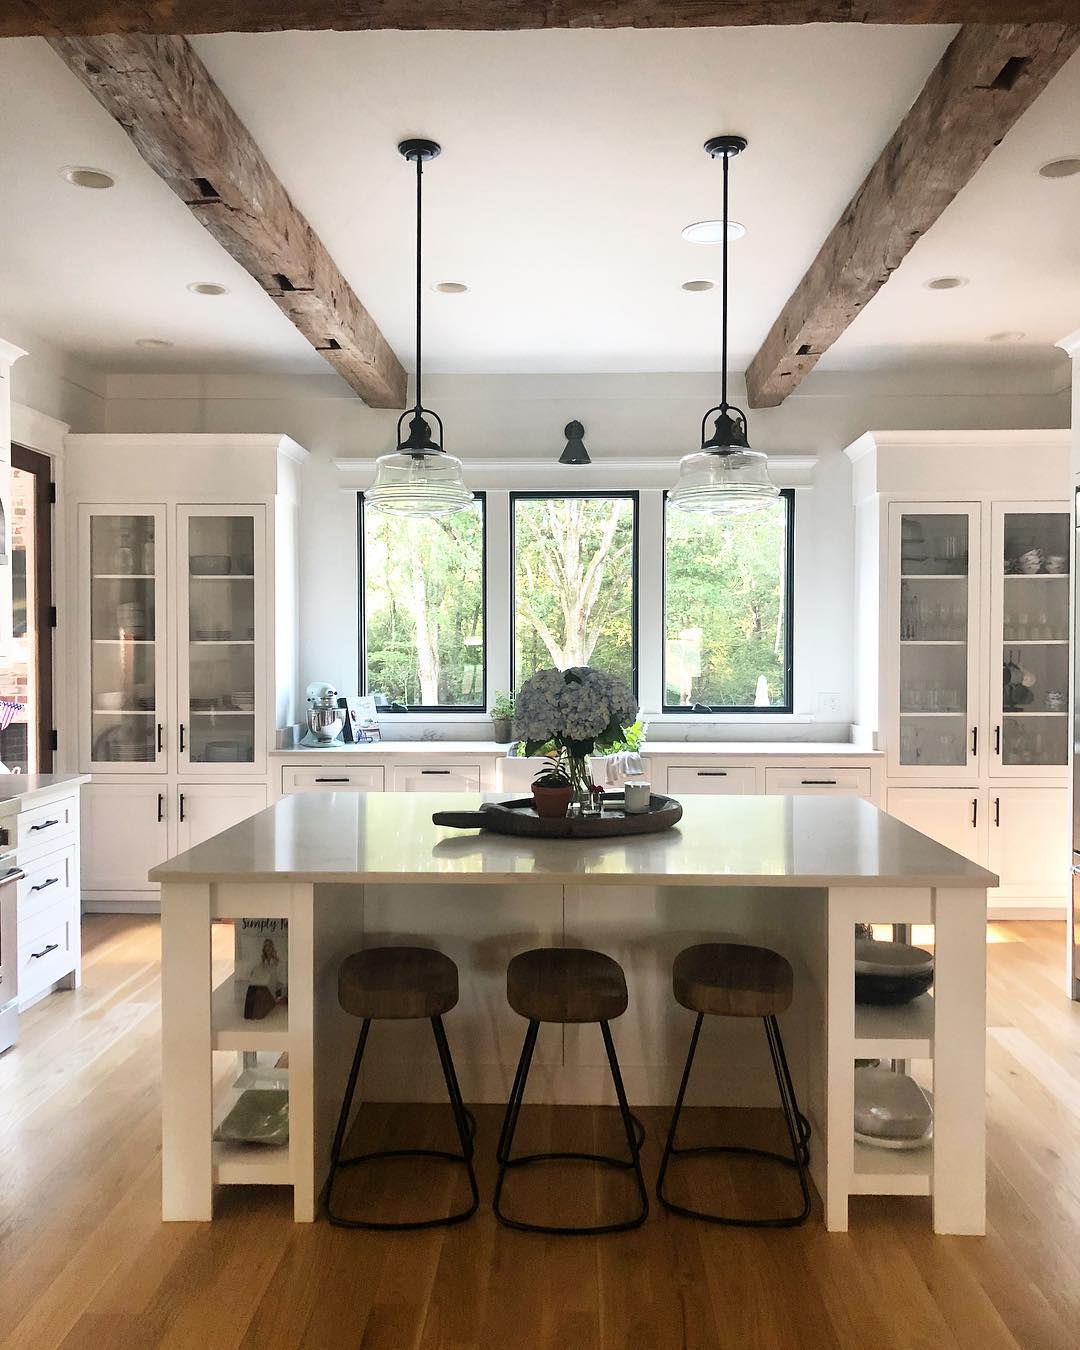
(552, 788)
(502, 715)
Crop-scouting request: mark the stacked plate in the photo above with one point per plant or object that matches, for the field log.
(891, 1110)
(891, 972)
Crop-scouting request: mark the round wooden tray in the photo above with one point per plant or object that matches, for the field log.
(519, 817)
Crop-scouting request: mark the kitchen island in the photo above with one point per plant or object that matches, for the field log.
(794, 873)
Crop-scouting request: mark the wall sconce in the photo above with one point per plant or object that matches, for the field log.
(575, 452)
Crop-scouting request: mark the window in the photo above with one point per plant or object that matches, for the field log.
(422, 608)
(727, 609)
(575, 582)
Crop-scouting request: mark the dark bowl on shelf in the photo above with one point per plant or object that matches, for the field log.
(891, 973)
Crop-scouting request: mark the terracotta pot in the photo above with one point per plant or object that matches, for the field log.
(552, 802)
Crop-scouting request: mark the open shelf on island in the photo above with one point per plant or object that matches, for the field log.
(904, 1031)
(887, 1171)
(237, 1164)
(230, 1030)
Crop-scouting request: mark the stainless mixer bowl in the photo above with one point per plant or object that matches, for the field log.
(325, 723)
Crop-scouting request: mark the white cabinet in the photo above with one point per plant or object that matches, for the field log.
(715, 780)
(206, 809)
(437, 778)
(125, 834)
(1029, 849)
(828, 780)
(955, 817)
(332, 778)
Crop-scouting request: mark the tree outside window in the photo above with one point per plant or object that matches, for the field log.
(423, 608)
(574, 583)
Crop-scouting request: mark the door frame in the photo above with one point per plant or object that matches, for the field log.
(41, 466)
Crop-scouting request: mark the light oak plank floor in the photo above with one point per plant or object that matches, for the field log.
(85, 1263)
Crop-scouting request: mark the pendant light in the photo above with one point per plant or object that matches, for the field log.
(419, 479)
(724, 477)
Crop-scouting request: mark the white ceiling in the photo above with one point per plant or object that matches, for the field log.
(571, 161)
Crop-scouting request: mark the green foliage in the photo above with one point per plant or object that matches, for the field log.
(724, 586)
(630, 738)
(502, 708)
(554, 772)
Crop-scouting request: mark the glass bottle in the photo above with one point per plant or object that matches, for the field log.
(125, 554)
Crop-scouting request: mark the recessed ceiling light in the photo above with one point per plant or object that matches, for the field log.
(207, 288)
(945, 283)
(702, 285)
(1009, 335)
(155, 344)
(450, 287)
(1061, 168)
(712, 231)
(78, 175)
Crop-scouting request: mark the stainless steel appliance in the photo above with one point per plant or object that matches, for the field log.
(1074, 898)
(9, 975)
(325, 719)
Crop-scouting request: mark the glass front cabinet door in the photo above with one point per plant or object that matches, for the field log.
(935, 616)
(123, 727)
(1029, 617)
(221, 669)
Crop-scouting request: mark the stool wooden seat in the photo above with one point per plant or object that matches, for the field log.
(566, 984)
(395, 983)
(562, 985)
(727, 979)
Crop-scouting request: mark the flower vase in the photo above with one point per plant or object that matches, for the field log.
(581, 782)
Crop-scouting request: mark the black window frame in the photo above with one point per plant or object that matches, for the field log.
(632, 495)
(430, 708)
(788, 705)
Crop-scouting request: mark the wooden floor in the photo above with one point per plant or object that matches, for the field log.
(85, 1262)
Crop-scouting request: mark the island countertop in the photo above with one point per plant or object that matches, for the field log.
(798, 841)
(14, 786)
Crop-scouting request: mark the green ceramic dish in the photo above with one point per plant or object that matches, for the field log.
(260, 1116)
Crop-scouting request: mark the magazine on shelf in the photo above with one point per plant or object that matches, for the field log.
(261, 956)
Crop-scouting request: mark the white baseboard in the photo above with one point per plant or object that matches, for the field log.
(133, 903)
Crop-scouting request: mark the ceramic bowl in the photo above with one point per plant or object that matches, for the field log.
(890, 973)
(1056, 563)
(891, 1110)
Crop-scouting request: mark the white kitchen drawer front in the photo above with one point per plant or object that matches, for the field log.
(36, 924)
(44, 828)
(437, 778)
(823, 780)
(332, 778)
(48, 881)
(48, 954)
(715, 779)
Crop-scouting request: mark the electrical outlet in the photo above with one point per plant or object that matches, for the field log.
(829, 705)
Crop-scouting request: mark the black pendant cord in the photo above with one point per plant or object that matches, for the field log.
(724, 296)
(419, 257)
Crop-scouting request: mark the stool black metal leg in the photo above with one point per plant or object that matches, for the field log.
(798, 1128)
(462, 1120)
(635, 1134)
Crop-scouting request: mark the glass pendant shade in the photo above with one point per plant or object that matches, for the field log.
(418, 484)
(723, 482)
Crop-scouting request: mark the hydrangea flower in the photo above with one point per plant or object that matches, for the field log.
(576, 705)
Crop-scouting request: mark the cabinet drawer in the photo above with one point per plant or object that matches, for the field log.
(826, 779)
(48, 954)
(34, 925)
(437, 778)
(332, 778)
(711, 778)
(47, 882)
(44, 828)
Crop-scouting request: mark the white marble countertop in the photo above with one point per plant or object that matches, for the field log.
(726, 840)
(14, 786)
(839, 750)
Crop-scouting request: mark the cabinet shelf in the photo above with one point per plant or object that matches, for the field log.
(933, 642)
(903, 1032)
(933, 576)
(222, 712)
(222, 576)
(231, 1031)
(123, 712)
(883, 1171)
(123, 642)
(910, 712)
(1034, 713)
(1034, 642)
(1036, 576)
(222, 642)
(124, 576)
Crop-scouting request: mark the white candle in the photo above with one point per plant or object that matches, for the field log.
(636, 797)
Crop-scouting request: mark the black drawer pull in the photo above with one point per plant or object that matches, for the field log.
(160, 807)
(45, 824)
(44, 951)
(333, 780)
(712, 773)
(445, 771)
(820, 782)
(44, 885)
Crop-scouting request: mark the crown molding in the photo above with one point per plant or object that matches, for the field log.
(1070, 344)
(37, 431)
(9, 353)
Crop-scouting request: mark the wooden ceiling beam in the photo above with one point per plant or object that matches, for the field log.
(61, 18)
(987, 77)
(183, 126)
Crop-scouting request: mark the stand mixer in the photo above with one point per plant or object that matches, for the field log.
(325, 719)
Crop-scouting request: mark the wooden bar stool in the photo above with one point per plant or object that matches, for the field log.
(565, 985)
(726, 979)
(392, 984)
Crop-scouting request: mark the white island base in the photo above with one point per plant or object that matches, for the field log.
(795, 874)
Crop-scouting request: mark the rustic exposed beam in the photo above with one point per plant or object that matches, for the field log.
(183, 126)
(985, 80)
(52, 18)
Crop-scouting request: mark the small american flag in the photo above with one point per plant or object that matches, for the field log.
(9, 710)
